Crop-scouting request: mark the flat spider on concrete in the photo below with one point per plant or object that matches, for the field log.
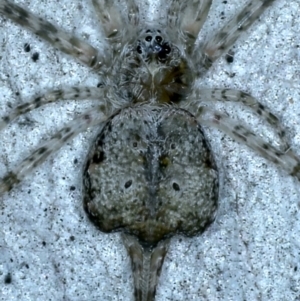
(150, 173)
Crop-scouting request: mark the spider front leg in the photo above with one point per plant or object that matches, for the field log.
(189, 16)
(227, 36)
(288, 160)
(61, 40)
(75, 127)
(247, 100)
(133, 12)
(110, 15)
(77, 93)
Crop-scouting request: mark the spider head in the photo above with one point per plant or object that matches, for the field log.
(164, 70)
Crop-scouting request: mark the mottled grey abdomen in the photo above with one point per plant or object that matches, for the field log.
(150, 173)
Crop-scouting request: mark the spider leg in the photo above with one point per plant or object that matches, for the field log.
(110, 15)
(247, 100)
(133, 12)
(82, 93)
(75, 127)
(287, 160)
(146, 265)
(189, 16)
(63, 41)
(227, 36)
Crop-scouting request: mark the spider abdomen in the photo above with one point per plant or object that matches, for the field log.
(151, 173)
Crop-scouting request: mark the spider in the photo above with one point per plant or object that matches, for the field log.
(150, 172)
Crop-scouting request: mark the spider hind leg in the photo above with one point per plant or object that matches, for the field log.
(75, 127)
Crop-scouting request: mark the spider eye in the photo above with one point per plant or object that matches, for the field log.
(148, 38)
(158, 39)
(139, 49)
(167, 49)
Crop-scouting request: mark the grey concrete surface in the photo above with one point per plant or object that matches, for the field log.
(50, 249)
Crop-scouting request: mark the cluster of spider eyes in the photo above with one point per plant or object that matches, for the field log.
(161, 49)
(158, 39)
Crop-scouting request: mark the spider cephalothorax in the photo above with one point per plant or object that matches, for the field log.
(155, 68)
